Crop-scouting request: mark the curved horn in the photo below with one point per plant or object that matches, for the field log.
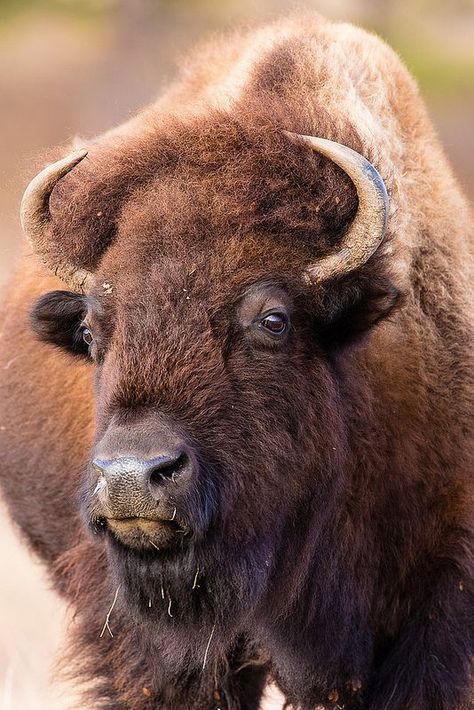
(368, 226)
(35, 218)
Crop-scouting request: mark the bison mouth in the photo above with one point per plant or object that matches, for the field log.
(139, 533)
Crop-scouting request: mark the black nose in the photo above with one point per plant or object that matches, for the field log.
(150, 474)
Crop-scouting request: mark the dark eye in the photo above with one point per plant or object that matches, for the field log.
(87, 336)
(275, 323)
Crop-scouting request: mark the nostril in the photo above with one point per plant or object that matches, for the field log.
(167, 469)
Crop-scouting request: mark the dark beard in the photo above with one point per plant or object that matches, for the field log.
(182, 598)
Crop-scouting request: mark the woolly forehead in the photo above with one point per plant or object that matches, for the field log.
(167, 246)
(200, 185)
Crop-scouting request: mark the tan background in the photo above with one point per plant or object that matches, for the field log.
(76, 67)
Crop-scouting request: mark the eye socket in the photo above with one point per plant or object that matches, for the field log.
(274, 323)
(87, 336)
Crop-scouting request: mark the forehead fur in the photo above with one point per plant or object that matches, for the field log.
(214, 178)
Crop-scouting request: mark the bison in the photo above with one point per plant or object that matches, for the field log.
(237, 387)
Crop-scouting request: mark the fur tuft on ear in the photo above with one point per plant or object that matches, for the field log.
(350, 307)
(56, 318)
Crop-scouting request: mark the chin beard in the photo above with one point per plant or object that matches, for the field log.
(182, 595)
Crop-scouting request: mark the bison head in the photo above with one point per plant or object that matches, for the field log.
(219, 279)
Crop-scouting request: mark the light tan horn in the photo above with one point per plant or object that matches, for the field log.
(368, 226)
(35, 219)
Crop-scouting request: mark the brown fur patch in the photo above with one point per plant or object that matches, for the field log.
(333, 489)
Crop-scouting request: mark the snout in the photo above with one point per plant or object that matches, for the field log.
(143, 484)
(132, 485)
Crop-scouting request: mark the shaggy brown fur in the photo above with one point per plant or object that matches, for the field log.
(334, 498)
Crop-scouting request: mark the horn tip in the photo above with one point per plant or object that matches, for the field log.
(34, 207)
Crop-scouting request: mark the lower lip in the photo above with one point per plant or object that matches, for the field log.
(125, 525)
(145, 533)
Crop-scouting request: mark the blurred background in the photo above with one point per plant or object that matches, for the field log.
(72, 67)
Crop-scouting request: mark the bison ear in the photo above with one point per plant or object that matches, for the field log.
(350, 307)
(56, 318)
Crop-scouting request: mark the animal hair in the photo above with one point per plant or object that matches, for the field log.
(325, 538)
